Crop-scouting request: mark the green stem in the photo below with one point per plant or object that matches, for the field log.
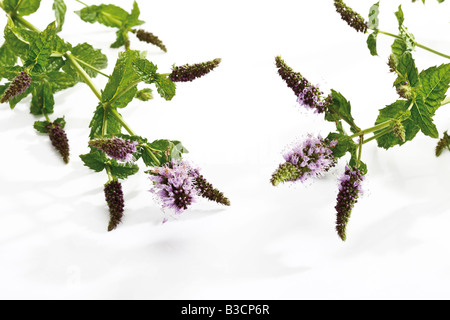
(87, 65)
(417, 44)
(122, 93)
(71, 58)
(122, 121)
(378, 127)
(361, 142)
(378, 135)
(84, 4)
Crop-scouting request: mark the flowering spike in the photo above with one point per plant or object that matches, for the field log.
(307, 94)
(174, 186)
(117, 148)
(18, 86)
(399, 130)
(349, 191)
(149, 37)
(352, 18)
(188, 72)
(310, 159)
(443, 143)
(206, 189)
(59, 140)
(115, 200)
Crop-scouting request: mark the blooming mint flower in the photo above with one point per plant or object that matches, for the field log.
(311, 159)
(116, 148)
(149, 37)
(59, 140)
(349, 191)
(174, 186)
(18, 86)
(115, 200)
(352, 18)
(307, 94)
(188, 72)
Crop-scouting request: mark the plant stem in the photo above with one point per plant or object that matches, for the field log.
(87, 65)
(417, 44)
(378, 135)
(83, 75)
(122, 121)
(361, 142)
(378, 127)
(84, 4)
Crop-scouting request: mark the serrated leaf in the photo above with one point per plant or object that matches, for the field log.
(10, 72)
(145, 94)
(339, 109)
(42, 101)
(95, 160)
(60, 81)
(123, 171)
(397, 110)
(22, 7)
(400, 16)
(434, 83)
(91, 56)
(108, 15)
(114, 127)
(60, 9)
(19, 40)
(165, 87)
(423, 118)
(41, 49)
(407, 68)
(146, 70)
(7, 55)
(122, 86)
(41, 126)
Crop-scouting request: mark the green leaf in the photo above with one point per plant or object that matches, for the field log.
(345, 144)
(133, 18)
(60, 9)
(372, 43)
(96, 160)
(10, 72)
(340, 109)
(42, 101)
(373, 16)
(93, 57)
(108, 15)
(397, 110)
(121, 38)
(146, 70)
(41, 49)
(60, 81)
(408, 71)
(114, 127)
(400, 16)
(41, 126)
(145, 94)
(423, 117)
(165, 87)
(434, 83)
(18, 40)
(22, 7)
(7, 55)
(123, 171)
(122, 86)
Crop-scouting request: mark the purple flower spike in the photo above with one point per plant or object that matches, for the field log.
(187, 73)
(174, 186)
(311, 159)
(115, 199)
(19, 85)
(349, 191)
(116, 148)
(307, 94)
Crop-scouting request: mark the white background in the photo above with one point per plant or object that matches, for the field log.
(272, 243)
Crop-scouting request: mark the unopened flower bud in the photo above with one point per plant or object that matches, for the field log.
(187, 73)
(150, 38)
(18, 86)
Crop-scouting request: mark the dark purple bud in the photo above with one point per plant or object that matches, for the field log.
(18, 86)
(117, 148)
(150, 38)
(207, 191)
(115, 200)
(59, 140)
(352, 18)
(188, 72)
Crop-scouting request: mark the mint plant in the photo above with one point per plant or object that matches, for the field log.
(421, 94)
(40, 63)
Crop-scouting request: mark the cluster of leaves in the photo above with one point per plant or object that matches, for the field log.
(131, 69)
(43, 57)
